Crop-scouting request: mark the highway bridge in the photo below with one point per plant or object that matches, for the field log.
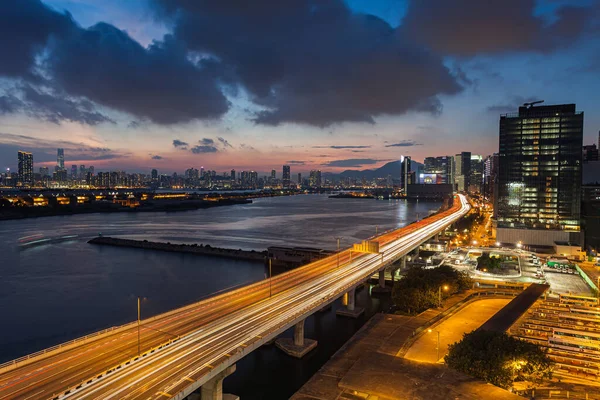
(172, 355)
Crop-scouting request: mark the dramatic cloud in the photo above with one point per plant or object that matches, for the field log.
(206, 142)
(404, 143)
(25, 28)
(341, 147)
(471, 27)
(294, 162)
(179, 144)
(224, 142)
(157, 157)
(159, 83)
(312, 62)
(351, 163)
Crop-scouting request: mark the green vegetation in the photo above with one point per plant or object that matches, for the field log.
(419, 289)
(488, 264)
(499, 359)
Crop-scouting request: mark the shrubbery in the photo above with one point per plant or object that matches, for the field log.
(499, 359)
(419, 289)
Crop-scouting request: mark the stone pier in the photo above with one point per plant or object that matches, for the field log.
(299, 345)
(350, 310)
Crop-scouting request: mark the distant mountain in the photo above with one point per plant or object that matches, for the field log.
(392, 168)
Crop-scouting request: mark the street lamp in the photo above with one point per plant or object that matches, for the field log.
(338, 250)
(497, 244)
(440, 294)
(437, 348)
(519, 244)
(139, 320)
(270, 277)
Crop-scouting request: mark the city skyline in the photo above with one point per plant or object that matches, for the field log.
(232, 119)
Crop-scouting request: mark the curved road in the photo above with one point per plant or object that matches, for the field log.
(185, 347)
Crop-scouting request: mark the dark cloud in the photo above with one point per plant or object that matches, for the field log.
(312, 62)
(351, 163)
(25, 28)
(295, 162)
(224, 142)
(404, 143)
(159, 83)
(511, 106)
(341, 147)
(10, 104)
(58, 107)
(247, 147)
(180, 144)
(471, 27)
(203, 149)
(206, 142)
(157, 157)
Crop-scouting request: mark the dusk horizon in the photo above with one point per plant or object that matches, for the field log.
(143, 84)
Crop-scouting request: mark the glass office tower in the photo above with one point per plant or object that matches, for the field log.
(539, 176)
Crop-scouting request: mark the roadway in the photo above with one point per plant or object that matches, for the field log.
(198, 340)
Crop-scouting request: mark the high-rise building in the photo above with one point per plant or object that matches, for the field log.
(286, 176)
(232, 176)
(73, 171)
(314, 178)
(44, 172)
(60, 159)
(539, 175)
(490, 177)
(462, 171)
(299, 179)
(91, 170)
(476, 175)
(82, 171)
(441, 166)
(25, 168)
(154, 175)
(406, 176)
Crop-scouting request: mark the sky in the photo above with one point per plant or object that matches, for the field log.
(315, 84)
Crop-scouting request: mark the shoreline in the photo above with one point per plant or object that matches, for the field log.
(110, 208)
(205, 250)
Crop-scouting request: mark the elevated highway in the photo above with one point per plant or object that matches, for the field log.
(196, 346)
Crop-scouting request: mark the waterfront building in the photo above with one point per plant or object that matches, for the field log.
(232, 176)
(314, 178)
(590, 153)
(539, 176)
(299, 179)
(154, 175)
(442, 166)
(60, 159)
(73, 172)
(490, 176)
(25, 168)
(286, 176)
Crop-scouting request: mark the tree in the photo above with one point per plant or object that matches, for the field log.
(419, 288)
(499, 359)
(487, 263)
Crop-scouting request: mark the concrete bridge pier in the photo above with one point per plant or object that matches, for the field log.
(381, 288)
(213, 389)
(299, 345)
(349, 301)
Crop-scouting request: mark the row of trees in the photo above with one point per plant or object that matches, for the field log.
(419, 289)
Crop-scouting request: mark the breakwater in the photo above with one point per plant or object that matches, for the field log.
(200, 249)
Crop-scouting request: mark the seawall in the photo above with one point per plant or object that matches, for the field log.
(206, 250)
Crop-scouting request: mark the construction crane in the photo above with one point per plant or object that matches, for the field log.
(529, 105)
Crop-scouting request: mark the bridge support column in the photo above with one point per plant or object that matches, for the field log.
(299, 345)
(381, 288)
(350, 310)
(403, 262)
(213, 389)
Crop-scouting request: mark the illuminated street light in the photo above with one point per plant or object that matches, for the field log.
(497, 244)
(519, 244)
(474, 242)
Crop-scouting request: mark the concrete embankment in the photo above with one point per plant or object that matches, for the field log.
(182, 248)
